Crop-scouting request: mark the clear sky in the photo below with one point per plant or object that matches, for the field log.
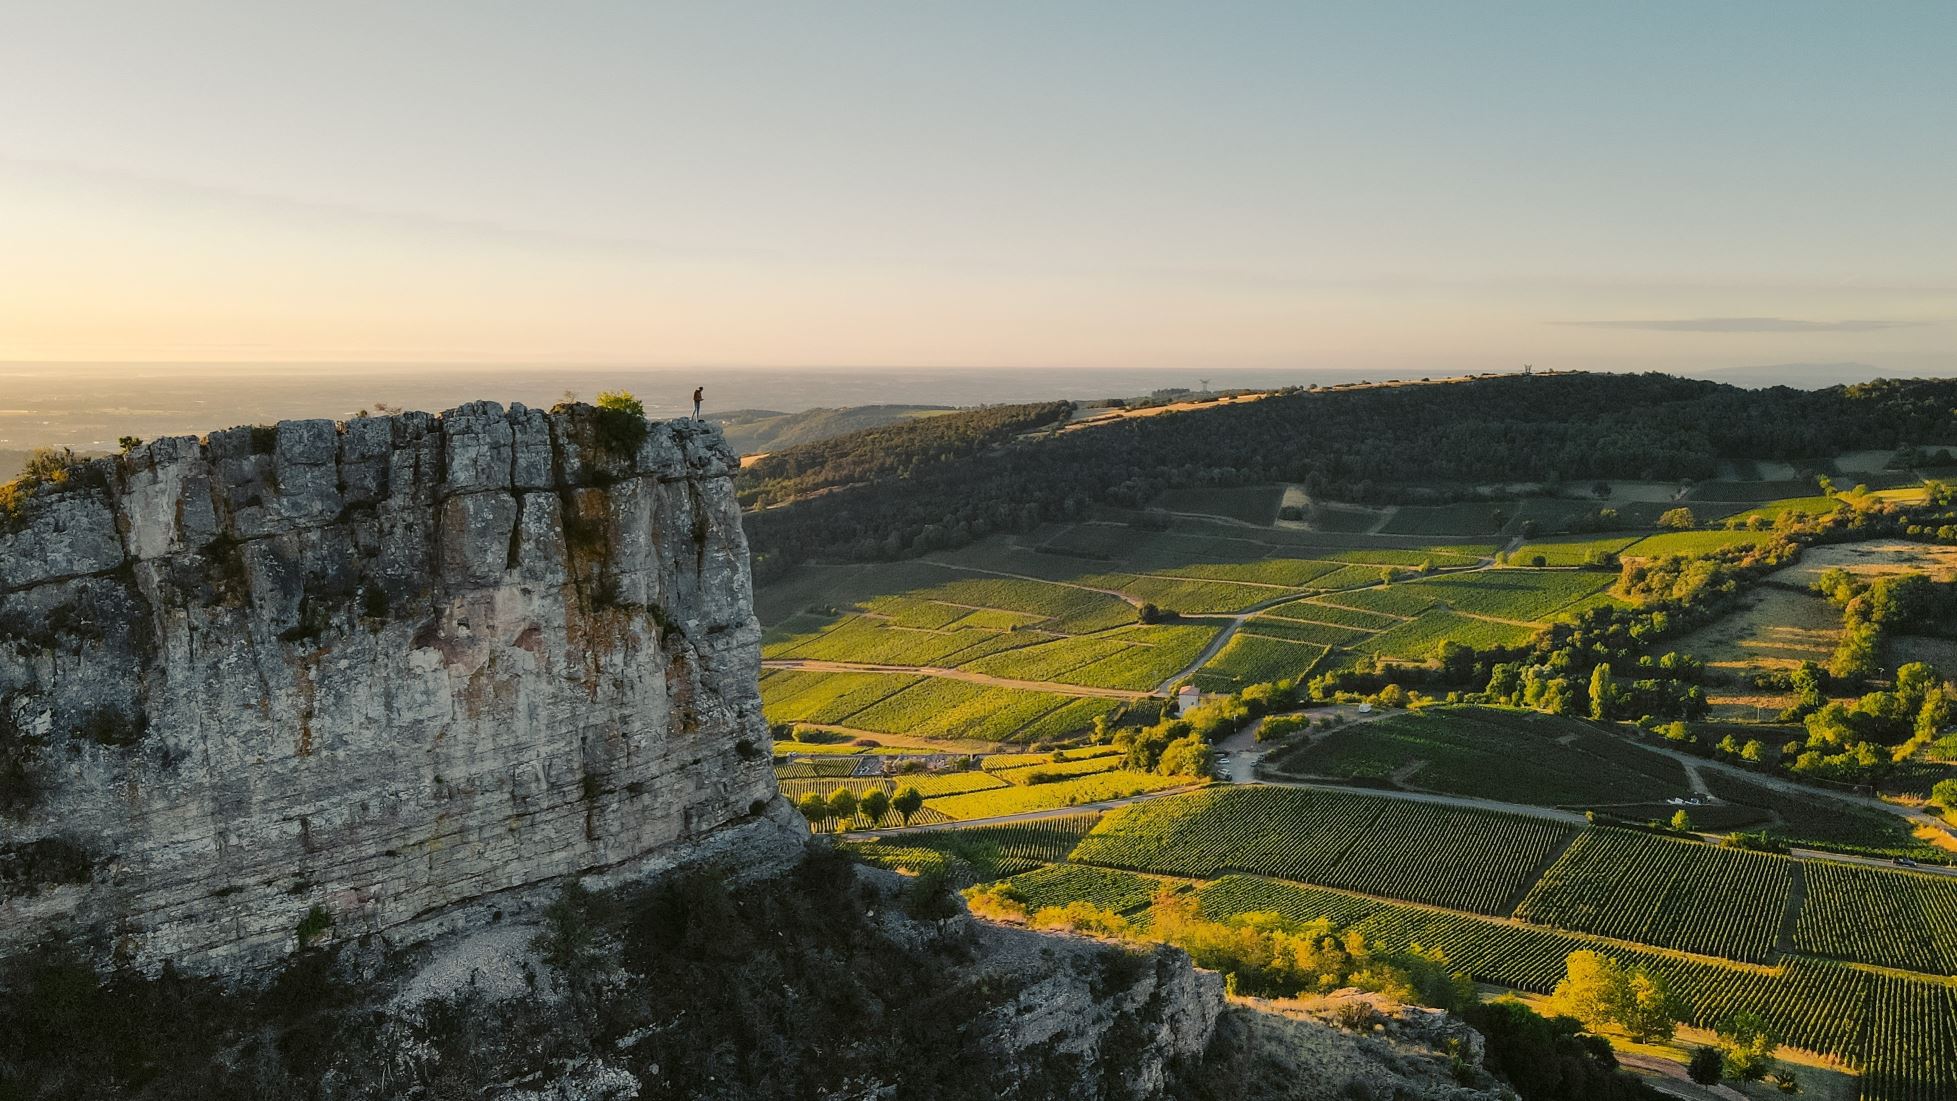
(1376, 185)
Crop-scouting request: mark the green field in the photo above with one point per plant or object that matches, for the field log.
(1670, 893)
(1569, 550)
(1513, 594)
(1255, 658)
(926, 783)
(1018, 799)
(1401, 601)
(1423, 853)
(792, 696)
(1747, 492)
(1284, 626)
(1512, 756)
(927, 706)
(1417, 639)
(1692, 543)
(937, 707)
(1812, 506)
(1137, 657)
(1033, 773)
(1322, 611)
(971, 854)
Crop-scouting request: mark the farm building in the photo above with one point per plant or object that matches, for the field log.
(1187, 697)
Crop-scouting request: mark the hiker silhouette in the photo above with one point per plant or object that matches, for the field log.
(697, 391)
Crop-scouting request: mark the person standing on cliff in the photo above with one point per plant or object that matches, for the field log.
(697, 391)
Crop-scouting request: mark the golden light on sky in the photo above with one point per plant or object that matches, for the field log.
(1407, 186)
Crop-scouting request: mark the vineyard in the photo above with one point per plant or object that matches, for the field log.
(1137, 657)
(1302, 630)
(1470, 860)
(1569, 550)
(1673, 894)
(1345, 858)
(1034, 773)
(1323, 612)
(1416, 640)
(1256, 658)
(928, 784)
(975, 854)
(1693, 543)
(1902, 1028)
(1513, 594)
(1912, 1046)
(1018, 799)
(1467, 518)
(1822, 822)
(1511, 756)
(1893, 919)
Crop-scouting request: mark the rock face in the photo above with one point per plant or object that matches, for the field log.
(1346, 1045)
(1093, 1021)
(369, 677)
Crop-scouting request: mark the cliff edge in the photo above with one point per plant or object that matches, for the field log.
(318, 680)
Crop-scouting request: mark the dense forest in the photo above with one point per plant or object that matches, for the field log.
(918, 486)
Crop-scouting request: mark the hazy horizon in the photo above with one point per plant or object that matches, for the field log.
(89, 406)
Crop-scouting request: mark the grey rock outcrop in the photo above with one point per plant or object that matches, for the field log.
(382, 676)
(1094, 1020)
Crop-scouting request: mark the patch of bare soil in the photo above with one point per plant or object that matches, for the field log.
(1873, 557)
(1777, 629)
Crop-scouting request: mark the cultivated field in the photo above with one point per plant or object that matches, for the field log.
(1511, 756)
(1415, 851)
(1673, 894)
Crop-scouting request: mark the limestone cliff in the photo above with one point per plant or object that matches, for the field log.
(369, 676)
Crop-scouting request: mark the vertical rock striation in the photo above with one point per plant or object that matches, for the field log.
(368, 677)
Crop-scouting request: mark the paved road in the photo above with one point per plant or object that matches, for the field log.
(954, 674)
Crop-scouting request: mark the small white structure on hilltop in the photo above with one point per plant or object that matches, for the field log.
(1187, 697)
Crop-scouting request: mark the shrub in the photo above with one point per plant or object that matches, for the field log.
(314, 925)
(1707, 1066)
